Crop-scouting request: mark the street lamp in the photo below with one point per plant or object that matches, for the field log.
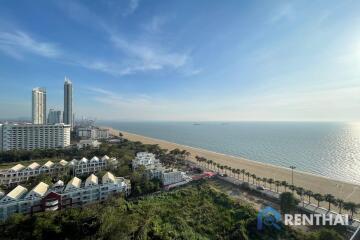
(292, 174)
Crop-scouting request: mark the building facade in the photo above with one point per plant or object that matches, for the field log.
(92, 133)
(85, 166)
(55, 117)
(154, 169)
(20, 173)
(39, 106)
(68, 102)
(34, 136)
(51, 198)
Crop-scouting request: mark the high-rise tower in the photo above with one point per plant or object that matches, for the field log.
(39, 106)
(68, 91)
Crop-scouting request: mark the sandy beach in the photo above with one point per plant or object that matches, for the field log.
(315, 183)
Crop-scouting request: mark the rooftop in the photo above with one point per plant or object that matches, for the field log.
(18, 167)
(17, 192)
(40, 189)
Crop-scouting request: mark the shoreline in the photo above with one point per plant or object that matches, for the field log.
(318, 184)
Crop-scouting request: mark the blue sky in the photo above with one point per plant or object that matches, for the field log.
(184, 60)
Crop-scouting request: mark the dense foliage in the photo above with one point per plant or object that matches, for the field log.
(193, 212)
(288, 203)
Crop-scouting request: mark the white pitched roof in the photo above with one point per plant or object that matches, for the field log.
(91, 180)
(59, 184)
(40, 189)
(74, 161)
(17, 192)
(33, 166)
(63, 162)
(94, 159)
(75, 183)
(48, 164)
(83, 160)
(18, 167)
(105, 158)
(108, 177)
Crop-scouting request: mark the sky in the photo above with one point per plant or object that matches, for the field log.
(204, 60)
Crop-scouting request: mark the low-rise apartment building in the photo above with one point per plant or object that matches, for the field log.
(85, 166)
(46, 198)
(155, 169)
(19, 173)
(92, 133)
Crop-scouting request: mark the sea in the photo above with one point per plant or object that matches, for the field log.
(330, 149)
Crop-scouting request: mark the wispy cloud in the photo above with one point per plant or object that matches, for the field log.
(155, 24)
(133, 5)
(17, 43)
(136, 55)
(284, 12)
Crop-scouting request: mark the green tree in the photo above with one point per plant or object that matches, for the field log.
(288, 202)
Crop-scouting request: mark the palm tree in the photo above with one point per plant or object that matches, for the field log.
(225, 168)
(319, 198)
(214, 164)
(243, 171)
(340, 204)
(238, 173)
(264, 179)
(222, 168)
(277, 184)
(253, 177)
(330, 199)
(258, 179)
(209, 163)
(292, 188)
(248, 176)
(218, 167)
(270, 182)
(308, 193)
(352, 207)
(285, 185)
(233, 171)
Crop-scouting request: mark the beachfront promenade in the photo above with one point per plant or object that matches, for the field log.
(304, 206)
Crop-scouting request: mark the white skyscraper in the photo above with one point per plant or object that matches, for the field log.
(68, 113)
(39, 106)
(54, 117)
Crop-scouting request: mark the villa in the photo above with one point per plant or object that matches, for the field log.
(19, 173)
(51, 198)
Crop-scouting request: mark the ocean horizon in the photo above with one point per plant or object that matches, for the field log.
(329, 149)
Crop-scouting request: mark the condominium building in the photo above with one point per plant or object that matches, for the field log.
(39, 106)
(85, 166)
(92, 133)
(171, 176)
(68, 104)
(88, 143)
(51, 198)
(55, 117)
(33, 136)
(155, 169)
(19, 173)
(148, 160)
